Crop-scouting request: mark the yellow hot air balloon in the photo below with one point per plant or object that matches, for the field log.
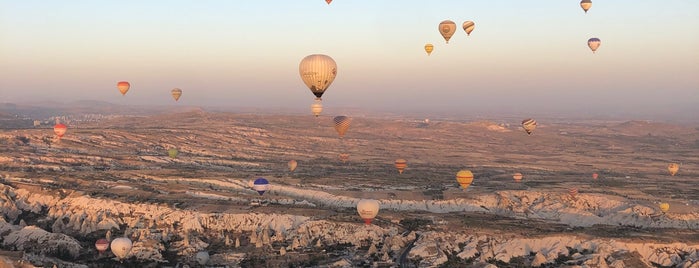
(529, 125)
(368, 209)
(594, 44)
(292, 165)
(176, 93)
(401, 164)
(123, 87)
(673, 168)
(468, 27)
(664, 207)
(342, 123)
(517, 177)
(586, 4)
(318, 72)
(317, 108)
(465, 178)
(429, 48)
(172, 153)
(447, 28)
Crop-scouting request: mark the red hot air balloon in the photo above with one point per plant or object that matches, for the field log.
(102, 245)
(60, 130)
(595, 176)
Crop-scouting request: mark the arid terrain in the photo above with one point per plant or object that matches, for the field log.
(114, 175)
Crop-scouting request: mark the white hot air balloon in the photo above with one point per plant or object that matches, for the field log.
(368, 209)
(121, 247)
(202, 257)
(318, 73)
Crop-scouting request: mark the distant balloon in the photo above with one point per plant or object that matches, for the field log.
(121, 247)
(60, 130)
(465, 178)
(317, 108)
(427, 120)
(342, 123)
(344, 157)
(173, 153)
(318, 72)
(176, 93)
(328, 1)
(573, 192)
(468, 27)
(529, 125)
(593, 43)
(673, 168)
(292, 165)
(401, 164)
(664, 207)
(261, 185)
(595, 176)
(447, 28)
(123, 87)
(586, 4)
(202, 257)
(429, 48)
(517, 177)
(368, 209)
(102, 245)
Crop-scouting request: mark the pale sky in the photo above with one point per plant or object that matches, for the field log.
(523, 56)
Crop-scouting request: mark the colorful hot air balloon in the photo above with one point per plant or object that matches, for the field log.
(173, 153)
(328, 1)
(344, 157)
(60, 130)
(342, 123)
(593, 43)
(318, 72)
(261, 185)
(468, 27)
(529, 125)
(517, 177)
(292, 165)
(465, 178)
(664, 207)
(573, 192)
(121, 247)
(447, 28)
(586, 4)
(123, 87)
(317, 108)
(202, 257)
(673, 168)
(401, 164)
(595, 176)
(368, 209)
(429, 48)
(102, 245)
(176, 93)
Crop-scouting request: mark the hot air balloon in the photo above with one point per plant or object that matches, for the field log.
(586, 4)
(176, 93)
(344, 157)
(202, 257)
(529, 125)
(573, 192)
(102, 245)
(328, 1)
(465, 178)
(593, 43)
(673, 168)
(317, 108)
(447, 28)
(401, 164)
(121, 247)
(342, 123)
(468, 27)
(318, 72)
(123, 87)
(368, 209)
(173, 153)
(429, 48)
(60, 130)
(292, 165)
(595, 176)
(517, 177)
(664, 207)
(261, 185)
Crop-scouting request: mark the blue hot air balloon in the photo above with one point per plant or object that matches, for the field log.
(261, 185)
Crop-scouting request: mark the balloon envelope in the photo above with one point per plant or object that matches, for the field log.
(429, 48)
(261, 185)
(517, 177)
(586, 4)
(328, 1)
(573, 192)
(595, 176)
(123, 87)
(447, 29)
(673, 168)
(594, 43)
(464, 178)
(342, 123)
(317, 108)
(368, 209)
(664, 207)
(529, 125)
(468, 27)
(60, 130)
(173, 153)
(176, 93)
(292, 165)
(401, 164)
(121, 247)
(202, 257)
(318, 73)
(102, 245)
(344, 157)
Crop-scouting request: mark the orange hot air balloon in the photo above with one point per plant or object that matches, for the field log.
(465, 178)
(447, 29)
(342, 123)
(401, 164)
(573, 192)
(292, 165)
(123, 87)
(328, 1)
(664, 207)
(102, 245)
(673, 168)
(344, 157)
(594, 176)
(60, 130)
(517, 177)
(529, 125)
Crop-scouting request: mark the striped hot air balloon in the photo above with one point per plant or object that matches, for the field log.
(401, 164)
(261, 185)
(594, 43)
(318, 73)
(447, 29)
(429, 48)
(673, 168)
(102, 245)
(573, 192)
(344, 157)
(176, 93)
(123, 87)
(464, 178)
(529, 125)
(317, 108)
(586, 5)
(517, 177)
(342, 123)
(468, 27)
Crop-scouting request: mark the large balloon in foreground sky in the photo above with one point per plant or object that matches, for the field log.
(468, 27)
(60, 130)
(673, 168)
(593, 43)
(464, 178)
(368, 209)
(401, 164)
(447, 28)
(586, 4)
(121, 247)
(123, 87)
(342, 123)
(101, 245)
(176, 93)
(292, 165)
(317, 108)
(261, 185)
(318, 72)
(529, 125)
(429, 48)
